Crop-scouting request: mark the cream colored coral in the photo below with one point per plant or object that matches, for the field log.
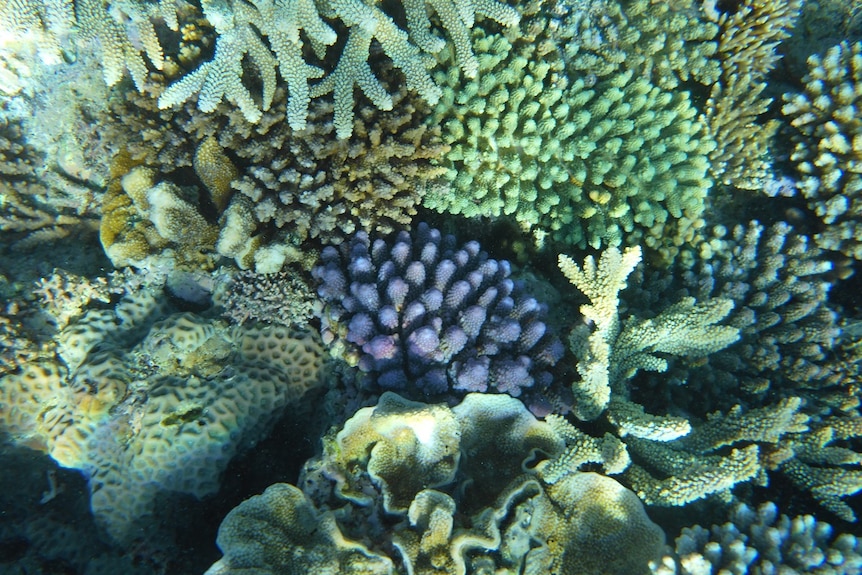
(601, 284)
(611, 353)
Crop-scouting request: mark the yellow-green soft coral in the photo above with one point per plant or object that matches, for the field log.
(490, 510)
(581, 159)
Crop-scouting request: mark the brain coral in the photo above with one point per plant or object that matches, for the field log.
(580, 158)
(147, 407)
(417, 313)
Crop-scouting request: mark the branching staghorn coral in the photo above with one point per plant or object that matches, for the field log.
(779, 283)
(38, 206)
(791, 370)
(828, 147)
(830, 472)
(613, 352)
(674, 460)
(287, 25)
(276, 36)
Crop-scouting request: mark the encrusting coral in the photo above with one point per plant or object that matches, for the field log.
(417, 313)
(456, 482)
(828, 148)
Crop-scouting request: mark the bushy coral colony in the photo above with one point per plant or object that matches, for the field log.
(430, 287)
(418, 315)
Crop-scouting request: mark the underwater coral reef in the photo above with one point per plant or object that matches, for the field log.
(444, 287)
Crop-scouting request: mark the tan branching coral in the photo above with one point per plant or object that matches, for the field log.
(673, 460)
(291, 186)
(830, 472)
(828, 147)
(747, 52)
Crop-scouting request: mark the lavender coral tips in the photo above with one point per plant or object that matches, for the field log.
(419, 314)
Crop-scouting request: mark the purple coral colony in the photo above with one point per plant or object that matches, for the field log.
(423, 315)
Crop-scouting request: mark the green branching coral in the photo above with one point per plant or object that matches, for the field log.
(580, 159)
(288, 25)
(668, 42)
(828, 147)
